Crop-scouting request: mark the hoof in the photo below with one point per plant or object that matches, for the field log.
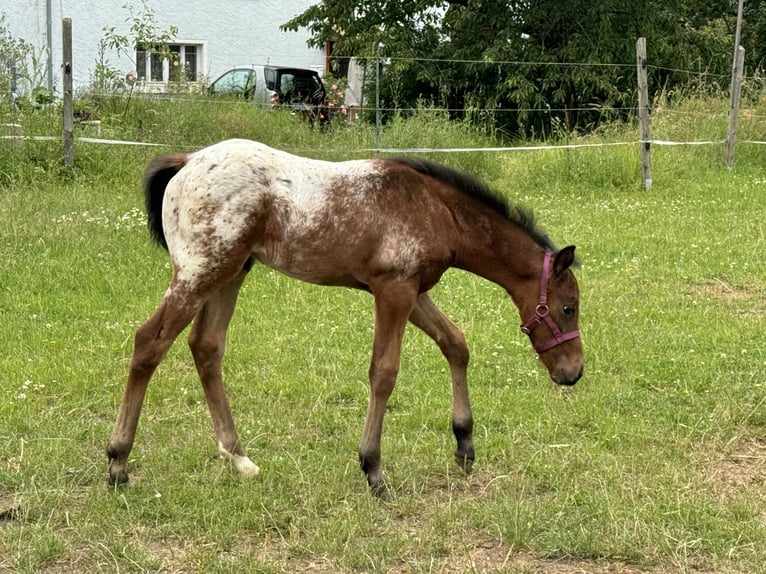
(117, 478)
(240, 462)
(118, 465)
(465, 463)
(246, 467)
(380, 491)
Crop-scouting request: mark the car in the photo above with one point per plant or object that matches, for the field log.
(297, 89)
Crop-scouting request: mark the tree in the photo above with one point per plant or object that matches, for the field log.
(754, 35)
(530, 61)
(145, 36)
(20, 69)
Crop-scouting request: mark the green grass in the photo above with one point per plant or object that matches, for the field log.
(655, 461)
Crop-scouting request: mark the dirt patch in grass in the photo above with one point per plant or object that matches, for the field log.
(718, 288)
(485, 557)
(721, 290)
(748, 299)
(744, 467)
(491, 556)
(740, 473)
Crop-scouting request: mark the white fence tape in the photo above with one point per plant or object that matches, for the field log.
(654, 142)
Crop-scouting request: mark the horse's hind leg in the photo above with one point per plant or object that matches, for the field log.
(207, 341)
(430, 319)
(152, 341)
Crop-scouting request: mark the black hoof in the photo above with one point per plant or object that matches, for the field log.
(117, 477)
(464, 462)
(120, 480)
(380, 491)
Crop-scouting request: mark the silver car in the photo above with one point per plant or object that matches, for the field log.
(298, 89)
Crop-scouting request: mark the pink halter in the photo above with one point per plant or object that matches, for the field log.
(542, 314)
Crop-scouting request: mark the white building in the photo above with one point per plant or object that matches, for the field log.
(212, 36)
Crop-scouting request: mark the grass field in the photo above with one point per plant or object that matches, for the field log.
(654, 462)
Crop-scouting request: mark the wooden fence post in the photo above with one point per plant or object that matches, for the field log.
(736, 91)
(643, 114)
(736, 83)
(67, 87)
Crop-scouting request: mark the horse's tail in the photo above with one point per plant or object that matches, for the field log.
(156, 178)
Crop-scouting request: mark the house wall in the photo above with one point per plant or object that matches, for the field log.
(232, 32)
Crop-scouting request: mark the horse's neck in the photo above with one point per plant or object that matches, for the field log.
(500, 251)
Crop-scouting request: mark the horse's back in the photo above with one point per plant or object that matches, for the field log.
(323, 222)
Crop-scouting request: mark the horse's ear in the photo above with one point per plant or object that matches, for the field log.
(564, 260)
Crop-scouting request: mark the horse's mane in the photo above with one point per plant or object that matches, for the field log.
(481, 192)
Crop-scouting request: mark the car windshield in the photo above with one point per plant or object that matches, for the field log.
(233, 82)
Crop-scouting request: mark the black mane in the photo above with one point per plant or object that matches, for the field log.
(481, 192)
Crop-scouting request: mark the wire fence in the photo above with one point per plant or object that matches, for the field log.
(12, 131)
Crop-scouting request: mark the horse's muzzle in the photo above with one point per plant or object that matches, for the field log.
(562, 377)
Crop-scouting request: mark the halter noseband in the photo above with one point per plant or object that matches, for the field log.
(542, 314)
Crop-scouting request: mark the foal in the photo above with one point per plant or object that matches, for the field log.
(391, 227)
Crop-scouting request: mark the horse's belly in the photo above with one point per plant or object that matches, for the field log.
(311, 265)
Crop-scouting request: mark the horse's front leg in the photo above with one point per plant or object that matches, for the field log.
(434, 323)
(393, 304)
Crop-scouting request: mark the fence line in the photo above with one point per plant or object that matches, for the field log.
(179, 96)
(643, 140)
(489, 62)
(654, 142)
(223, 101)
(604, 109)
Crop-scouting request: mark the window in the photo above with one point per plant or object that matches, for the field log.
(155, 67)
(271, 78)
(239, 81)
(190, 62)
(181, 64)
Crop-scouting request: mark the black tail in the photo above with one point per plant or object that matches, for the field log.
(156, 178)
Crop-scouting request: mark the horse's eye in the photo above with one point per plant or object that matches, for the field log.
(569, 310)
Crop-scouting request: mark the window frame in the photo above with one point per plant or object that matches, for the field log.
(152, 69)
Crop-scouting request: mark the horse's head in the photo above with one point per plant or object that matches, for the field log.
(551, 318)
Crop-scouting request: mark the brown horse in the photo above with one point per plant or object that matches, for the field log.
(391, 227)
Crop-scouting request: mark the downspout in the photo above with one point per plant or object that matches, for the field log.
(49, 41)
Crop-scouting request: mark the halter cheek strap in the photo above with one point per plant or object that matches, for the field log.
(542, 314)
